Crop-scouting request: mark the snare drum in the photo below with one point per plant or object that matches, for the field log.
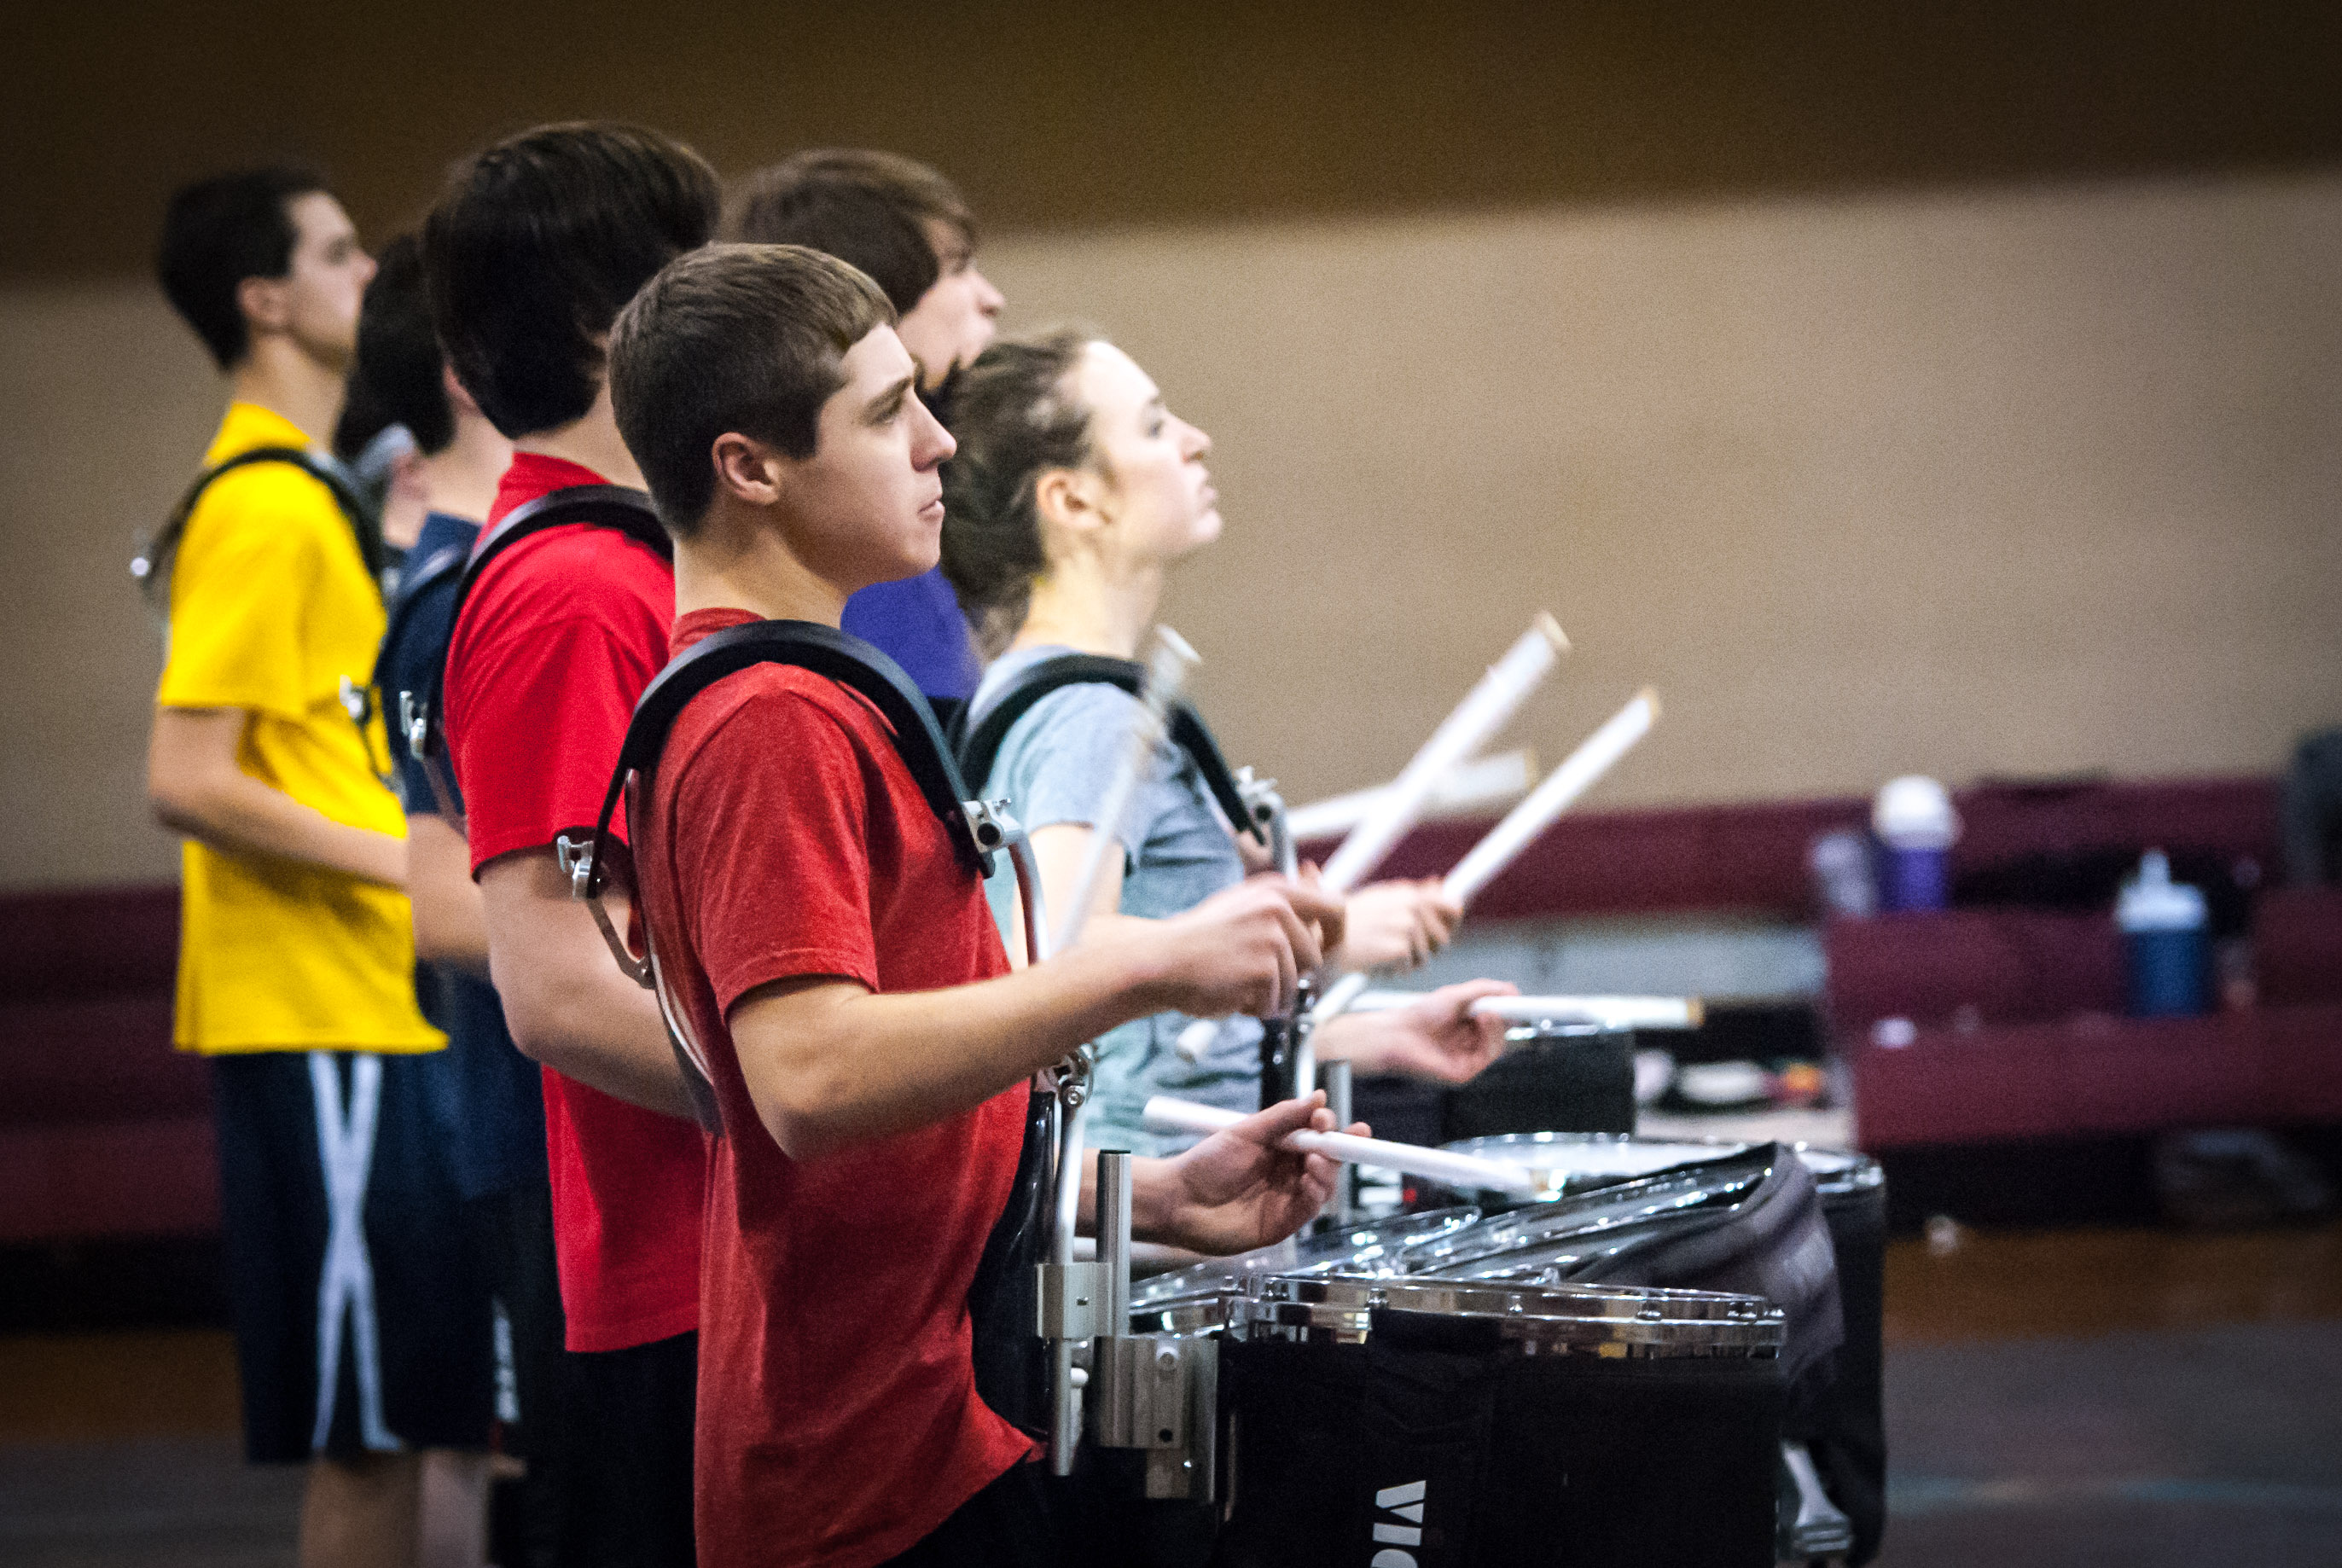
(1845, 1425)
(1411, 1422)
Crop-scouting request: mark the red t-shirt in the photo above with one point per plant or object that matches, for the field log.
(555, 642)
(838, 1416)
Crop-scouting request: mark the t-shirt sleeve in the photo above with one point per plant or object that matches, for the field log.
(1059, 758)
(772, 858)
(543, 718)
(249, 562)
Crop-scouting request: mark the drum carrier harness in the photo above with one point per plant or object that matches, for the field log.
(1251, 804)
(1011, 1361)
(422, 716)
(151, 567)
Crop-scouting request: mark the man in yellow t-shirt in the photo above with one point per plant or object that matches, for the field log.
(365, 1339)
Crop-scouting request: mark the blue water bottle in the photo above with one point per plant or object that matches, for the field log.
(1915, 827)
(2164, 942)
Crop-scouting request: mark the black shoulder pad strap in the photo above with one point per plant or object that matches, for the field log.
(364, 523)
(840, 656)
(981, 748)
(613, 507)
(413, 585)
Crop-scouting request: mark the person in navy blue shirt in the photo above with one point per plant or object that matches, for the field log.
(490, 1101)
(911, 230)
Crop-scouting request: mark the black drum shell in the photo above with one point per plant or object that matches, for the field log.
(1544, 1081)
(1585, 1461)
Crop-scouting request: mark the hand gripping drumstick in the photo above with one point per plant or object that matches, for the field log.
(1523, 823)
(1609, 1012)
(1167, 1114)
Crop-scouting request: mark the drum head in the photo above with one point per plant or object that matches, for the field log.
(1380, 1248)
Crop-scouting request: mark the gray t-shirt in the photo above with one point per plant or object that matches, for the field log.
(1054, 768)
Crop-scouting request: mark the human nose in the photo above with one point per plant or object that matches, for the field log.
(931, 444)
(988, 299)
(1196, 443)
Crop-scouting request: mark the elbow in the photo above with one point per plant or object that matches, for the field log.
(808, 1114)
(176, 808)
(531, 1019)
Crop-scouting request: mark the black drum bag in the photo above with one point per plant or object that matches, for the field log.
(1845, 1428)
(1774, 1242)
(1442, 1458)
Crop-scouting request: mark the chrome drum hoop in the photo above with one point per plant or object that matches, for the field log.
(1569, 1163)
(1607, 1321)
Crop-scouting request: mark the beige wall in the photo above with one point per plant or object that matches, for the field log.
(2014, 482)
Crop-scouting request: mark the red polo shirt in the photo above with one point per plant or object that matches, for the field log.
(838, 1416)
(556, 640)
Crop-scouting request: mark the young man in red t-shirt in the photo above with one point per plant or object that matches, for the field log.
(529, 254)
(836, 962)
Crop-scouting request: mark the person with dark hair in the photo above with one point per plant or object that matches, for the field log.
(911, 232)
(1073, 493)
(363, 1341)
(869, 1049)
(491, 1107)
(395, 384)
(536, 243)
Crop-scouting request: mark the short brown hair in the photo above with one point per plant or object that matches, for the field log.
(536, 243)
(732, 337)
(862, 205)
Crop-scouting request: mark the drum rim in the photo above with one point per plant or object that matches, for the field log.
(1858, 1173)
(1665, 1321)
(1185, 1316)
(1226, 1275)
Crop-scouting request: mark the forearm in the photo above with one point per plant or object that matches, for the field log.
(830, 1063)
(451, 924)
(568, 1002)
(594, 1024)
(1362, 1039)
(232, 811)
(1155, 1200)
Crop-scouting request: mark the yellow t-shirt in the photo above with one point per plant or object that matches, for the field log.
(271, 607)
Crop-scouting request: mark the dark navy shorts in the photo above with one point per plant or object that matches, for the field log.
(364, 1323)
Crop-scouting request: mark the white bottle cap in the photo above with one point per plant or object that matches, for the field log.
(1914, 812)
(2156, 902)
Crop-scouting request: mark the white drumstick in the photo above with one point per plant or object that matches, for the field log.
(1474, 784)
(1169, 1115)
(1483, 712)
(1521, 826)
(1610, 1011)
(1166, 672)
(1559, 792)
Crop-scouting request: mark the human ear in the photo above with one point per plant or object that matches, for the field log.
(262, 301)
(748, 468)
(1067, 501)
(460, 399)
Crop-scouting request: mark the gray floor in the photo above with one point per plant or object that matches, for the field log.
(2219, 1445)
(2211, 1447)
(186, 1502)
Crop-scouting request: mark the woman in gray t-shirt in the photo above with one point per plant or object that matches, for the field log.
(1073, 491)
